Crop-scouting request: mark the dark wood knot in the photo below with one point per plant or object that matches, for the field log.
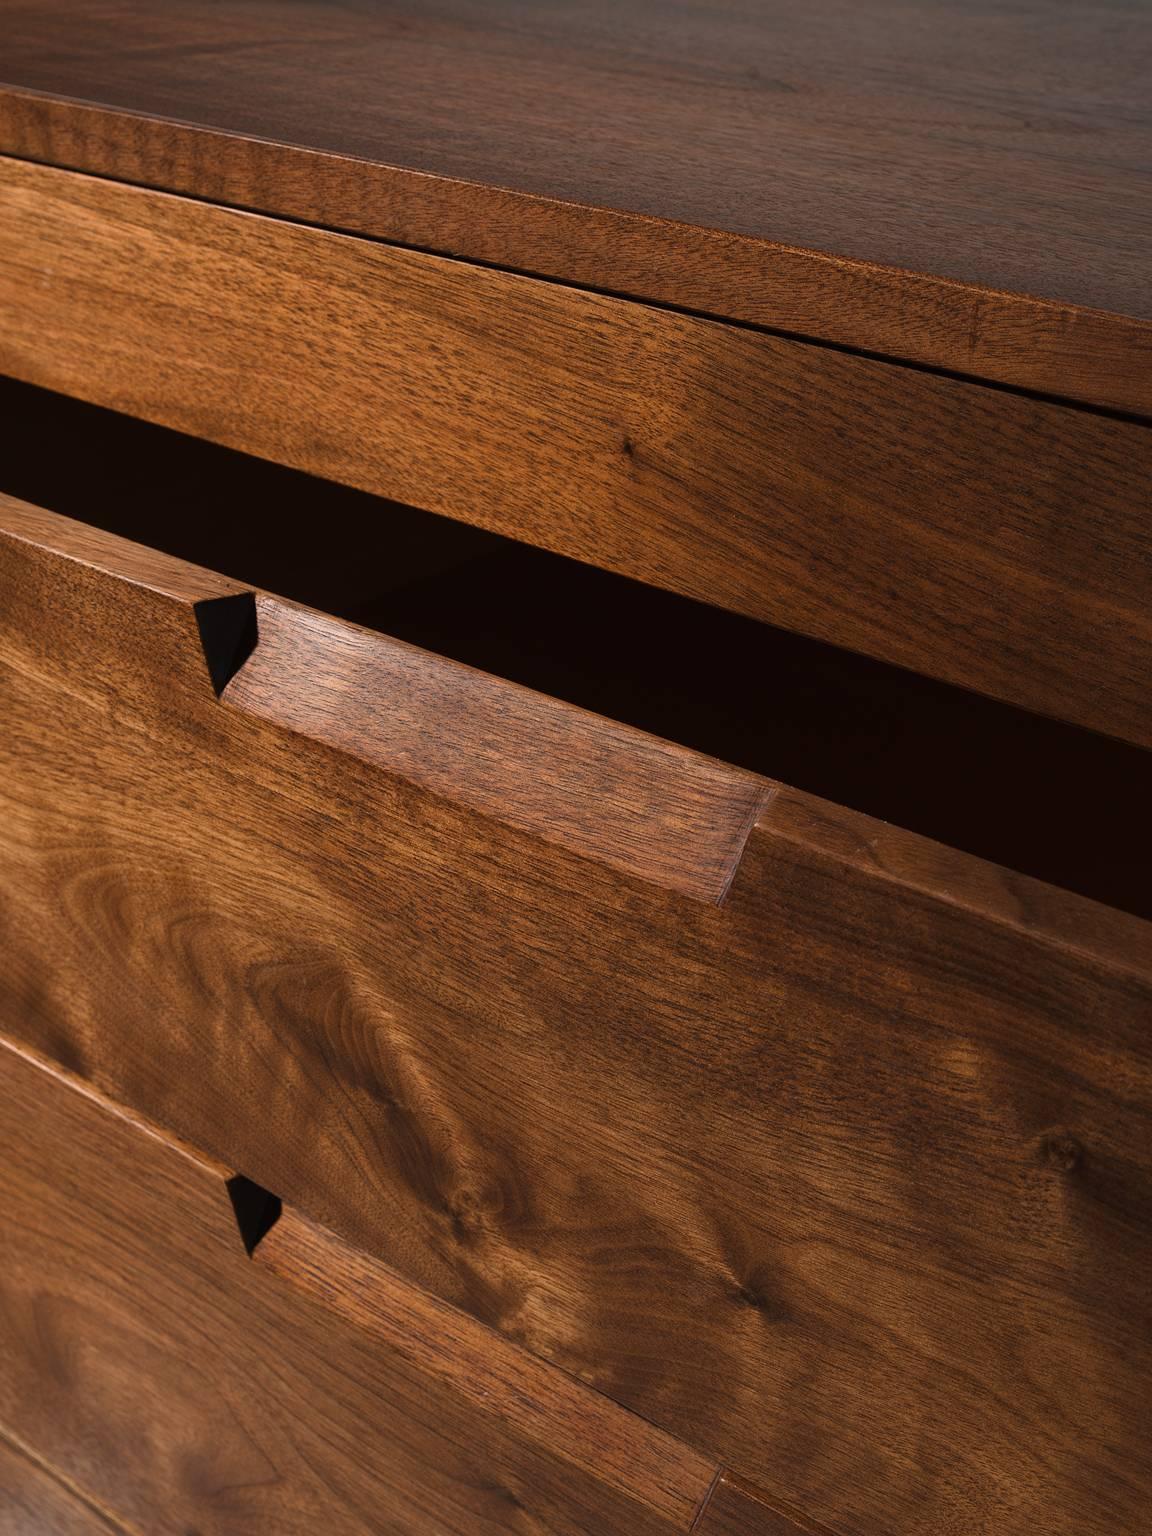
(1062, 1151)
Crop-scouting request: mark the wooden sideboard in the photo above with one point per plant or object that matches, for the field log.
(575, 660)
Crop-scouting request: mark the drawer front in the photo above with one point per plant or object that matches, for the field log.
(184, 1387)
(981, 537)
(837, 1168)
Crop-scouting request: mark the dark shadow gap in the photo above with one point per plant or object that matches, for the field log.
(227, 628)
(256, 1210)
(1048, 799)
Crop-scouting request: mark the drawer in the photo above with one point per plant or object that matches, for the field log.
(177, 1385)
(817, 1142)
(985, 538)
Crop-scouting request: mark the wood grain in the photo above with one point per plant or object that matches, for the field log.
(995, 542)
(734, 1508)
(954, 183)
(640, 804)
(33, 1501)
(132, 1318)
(846, 1182)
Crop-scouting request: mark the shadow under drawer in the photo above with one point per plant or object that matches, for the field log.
(1048, 799)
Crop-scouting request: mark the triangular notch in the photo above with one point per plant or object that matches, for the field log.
(256, 1210)
(228, 635)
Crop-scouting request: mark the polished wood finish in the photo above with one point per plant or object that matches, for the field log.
(457, 1076)
(844, 1182)
(33, 1501)
(957, 184)
(992, 541)
(144, 1354)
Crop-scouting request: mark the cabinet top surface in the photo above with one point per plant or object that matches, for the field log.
(1003, 144)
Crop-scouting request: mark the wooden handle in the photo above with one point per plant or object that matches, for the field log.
(538, 1402)
(604, 790)
(735, 1508)
(103, 614)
